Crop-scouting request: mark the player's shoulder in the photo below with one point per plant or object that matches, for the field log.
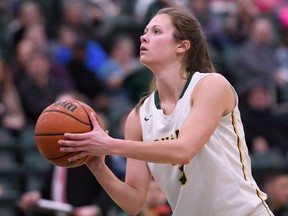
(215, 77)
(213, 81)
(215, 89)
(213, 85)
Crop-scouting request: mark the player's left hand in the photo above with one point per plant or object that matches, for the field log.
(92, 210)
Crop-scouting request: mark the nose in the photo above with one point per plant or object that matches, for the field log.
(143, 38)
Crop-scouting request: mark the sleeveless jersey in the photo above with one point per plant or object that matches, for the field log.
(218, 180)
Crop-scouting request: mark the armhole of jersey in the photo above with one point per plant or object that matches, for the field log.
(233, 89)
(236, 96)
(197, 76)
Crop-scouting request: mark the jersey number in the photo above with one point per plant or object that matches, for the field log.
(183, 178)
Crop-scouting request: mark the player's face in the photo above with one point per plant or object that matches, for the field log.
(157, 43)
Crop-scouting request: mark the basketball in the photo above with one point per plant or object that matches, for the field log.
(61, 117)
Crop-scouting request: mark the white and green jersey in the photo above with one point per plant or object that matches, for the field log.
(218, 180)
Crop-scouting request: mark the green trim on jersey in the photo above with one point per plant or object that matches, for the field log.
(156, 96)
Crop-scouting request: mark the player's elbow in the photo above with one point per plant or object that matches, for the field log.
(185, 159)
(182, 158)
(135, 206)
(185, 155)
(133, 210)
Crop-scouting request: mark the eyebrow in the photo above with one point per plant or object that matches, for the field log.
(152, 27)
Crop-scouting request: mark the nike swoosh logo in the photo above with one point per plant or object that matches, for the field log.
(146, 118)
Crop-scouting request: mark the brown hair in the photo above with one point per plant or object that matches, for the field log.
(187, 27)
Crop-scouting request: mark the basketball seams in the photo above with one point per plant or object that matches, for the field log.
(47, 134)
(59, 111)
(58, 157)
(84, 108)
(71, 164)
(54, 134)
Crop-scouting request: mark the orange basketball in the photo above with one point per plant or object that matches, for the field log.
(60, 117)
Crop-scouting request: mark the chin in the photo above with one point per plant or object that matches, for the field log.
(144, 61)
(147, 62)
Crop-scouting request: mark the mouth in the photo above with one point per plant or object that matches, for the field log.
(142, 48)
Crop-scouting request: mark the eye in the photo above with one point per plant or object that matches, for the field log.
(156, 31)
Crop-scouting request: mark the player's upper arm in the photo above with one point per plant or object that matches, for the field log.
(133, 129)
(211, 99)
(214, 93)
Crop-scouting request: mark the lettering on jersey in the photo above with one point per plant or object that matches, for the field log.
(171, 137)
(175, 135)
(183, 178)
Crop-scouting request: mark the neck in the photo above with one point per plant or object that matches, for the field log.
(170, 85)
(170, 81)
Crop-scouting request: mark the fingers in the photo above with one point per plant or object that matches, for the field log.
(67, 143)
(81, 142)
(77, 156)
(72, 143)
(66, 147)
(82, 136)
(70, 147)
(94, 120)
(75, 136)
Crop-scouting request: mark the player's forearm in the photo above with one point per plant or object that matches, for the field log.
(126, 197)
(168, 151)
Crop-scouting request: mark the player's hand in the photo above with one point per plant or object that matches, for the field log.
(92, 210)
(29, 200)
(95, 142)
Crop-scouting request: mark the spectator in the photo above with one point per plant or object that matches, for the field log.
(24, 50)
(262, 130)
(27, 14)
(85, 194)
(40, 86)
(256, 59)
(62, 46)
(86, 82)
(212, 24)
(275, 185)
(158, 4)
(267, 7)
(11, 111)
(37, 34)
(121, 63)
(52, 13)
(140, 9)
(74, 15)
(62, 49)
(238, 25)
(282, 52)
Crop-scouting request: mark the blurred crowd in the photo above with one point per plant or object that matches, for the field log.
(89, 49)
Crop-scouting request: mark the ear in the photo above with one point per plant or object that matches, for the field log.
(183, 46)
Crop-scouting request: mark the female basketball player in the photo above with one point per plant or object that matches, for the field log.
(187, 134)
